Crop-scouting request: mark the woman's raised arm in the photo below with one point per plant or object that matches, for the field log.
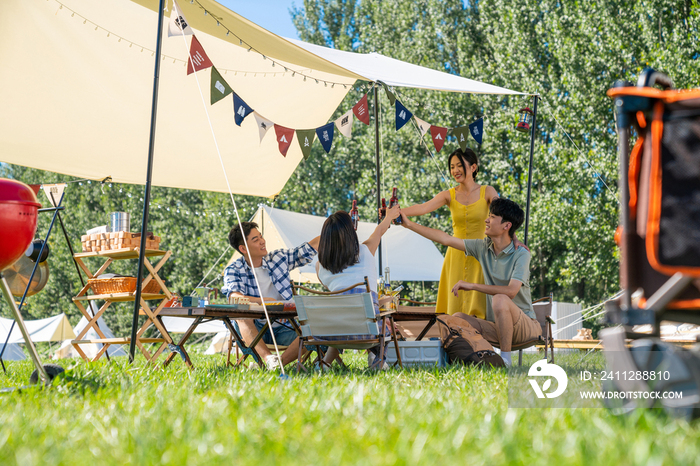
(441, 199)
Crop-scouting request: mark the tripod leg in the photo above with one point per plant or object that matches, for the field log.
(23, 329)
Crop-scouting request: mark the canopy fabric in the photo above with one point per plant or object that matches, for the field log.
(67, 350)
(409, 256)
(78, 80)
(392, 72)
(56, 328)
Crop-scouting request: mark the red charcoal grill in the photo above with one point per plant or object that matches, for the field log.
(18, 218)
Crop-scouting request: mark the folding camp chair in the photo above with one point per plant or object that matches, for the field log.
(342, 321)
(543, 311)
(659, 236)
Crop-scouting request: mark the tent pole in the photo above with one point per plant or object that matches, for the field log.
(379, 182)
(147, 191)
(529, 175)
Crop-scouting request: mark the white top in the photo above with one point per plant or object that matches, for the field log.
(267, 288)
(353, 274)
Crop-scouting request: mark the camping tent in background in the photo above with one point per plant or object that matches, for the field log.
(409, 256)
(181, 324)
(219, 343)
(56, 328)
(13, 352)
(90, 349)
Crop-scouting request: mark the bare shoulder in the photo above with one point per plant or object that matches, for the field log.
(490, 193)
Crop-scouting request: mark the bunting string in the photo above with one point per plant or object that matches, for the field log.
(198, 60)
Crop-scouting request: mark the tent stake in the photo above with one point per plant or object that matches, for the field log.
(147, 191)
(529, 175)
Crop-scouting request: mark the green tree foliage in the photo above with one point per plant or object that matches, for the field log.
(569, 53)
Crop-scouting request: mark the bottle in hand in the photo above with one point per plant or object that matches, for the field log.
(354, 215)
(392, 202)
(382, 210)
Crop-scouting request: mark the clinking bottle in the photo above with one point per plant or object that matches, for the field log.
(382, 210)
(354, 215)
(392, 202)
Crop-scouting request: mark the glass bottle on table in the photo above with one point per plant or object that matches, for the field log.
(354, 215)
(392, 202)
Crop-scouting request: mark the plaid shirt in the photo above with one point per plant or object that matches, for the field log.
(238, 277)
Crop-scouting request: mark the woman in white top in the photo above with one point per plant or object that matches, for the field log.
(343, 261)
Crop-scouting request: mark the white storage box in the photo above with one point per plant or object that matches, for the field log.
(415, 353)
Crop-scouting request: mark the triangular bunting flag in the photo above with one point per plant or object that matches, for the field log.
(477, 130)
(284, 138)
(325, 135)
(438, 134)
(240, 109)
(219, 87)
(54, 192)
(361, 110)
(178, 24)
(198, 57)
(389, 95)
(402, 115)
(423, 126)
(344, 124)
(306, 139)
(263, 124)
(461, 135)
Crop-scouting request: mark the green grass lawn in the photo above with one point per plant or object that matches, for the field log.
(102, 413)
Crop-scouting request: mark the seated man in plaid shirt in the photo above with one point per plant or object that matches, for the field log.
(272, 270)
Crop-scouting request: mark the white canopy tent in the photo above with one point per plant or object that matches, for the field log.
(56, 328)
(181, 324)
(67, 350)
(409, 256)
(78, 78)
(13, 352)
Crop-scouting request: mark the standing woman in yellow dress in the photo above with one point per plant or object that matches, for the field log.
(469, 204)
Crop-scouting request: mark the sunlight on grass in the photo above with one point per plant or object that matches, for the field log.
(113, 413)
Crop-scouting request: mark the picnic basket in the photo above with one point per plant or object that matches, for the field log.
(120, 285)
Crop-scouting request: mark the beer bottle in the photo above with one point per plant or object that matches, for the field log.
(382, 210)
(354, 215)
(392, 202)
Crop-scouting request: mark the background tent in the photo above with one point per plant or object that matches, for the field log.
(56, 328)
(181, 324)
(89, 67)
(90, 349)
(13, 352)
(409, 256)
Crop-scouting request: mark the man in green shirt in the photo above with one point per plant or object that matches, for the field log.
(510, 318)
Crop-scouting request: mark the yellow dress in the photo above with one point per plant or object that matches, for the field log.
(467, 223)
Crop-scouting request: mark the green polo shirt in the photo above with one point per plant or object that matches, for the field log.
(499, 270)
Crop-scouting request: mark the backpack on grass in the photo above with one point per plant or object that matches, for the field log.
(464, 344)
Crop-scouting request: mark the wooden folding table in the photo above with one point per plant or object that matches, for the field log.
(225, 313)
(152, 314)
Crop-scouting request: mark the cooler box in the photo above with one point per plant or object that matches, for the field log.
(416, 353)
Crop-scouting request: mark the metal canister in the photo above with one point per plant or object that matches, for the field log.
(120, 221)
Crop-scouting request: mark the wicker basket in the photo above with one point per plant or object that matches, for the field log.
(120, 285)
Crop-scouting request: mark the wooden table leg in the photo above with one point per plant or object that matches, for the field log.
(242, 345)
(182, 342)
(427, 327)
